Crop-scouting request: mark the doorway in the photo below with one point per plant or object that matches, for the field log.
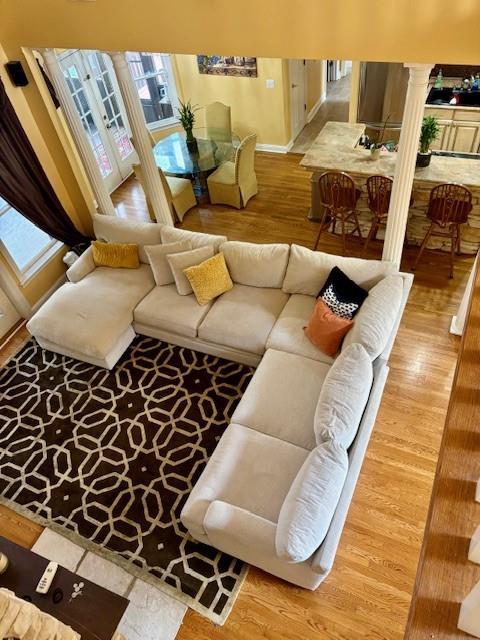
(298, 104)
(93, 85)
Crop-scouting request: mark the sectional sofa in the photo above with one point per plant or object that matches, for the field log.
(277, 489)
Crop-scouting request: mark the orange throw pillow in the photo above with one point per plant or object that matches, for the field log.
(326, 330)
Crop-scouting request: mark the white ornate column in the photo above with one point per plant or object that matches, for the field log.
(100, 191)
(406, 159)
(141, 139)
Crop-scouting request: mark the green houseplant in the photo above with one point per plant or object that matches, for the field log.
(428, 134)
(186, 117)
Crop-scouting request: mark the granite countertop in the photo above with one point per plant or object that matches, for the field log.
(335, 149)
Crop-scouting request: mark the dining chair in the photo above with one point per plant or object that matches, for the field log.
(379, 190)
(234, 183)
(179, 192)
(218, 121)
(339, 197)
(448, 208)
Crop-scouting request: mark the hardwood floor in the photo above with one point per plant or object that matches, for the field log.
(368, 592)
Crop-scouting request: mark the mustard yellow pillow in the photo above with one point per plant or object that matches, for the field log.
(117, 256)
(209, 279)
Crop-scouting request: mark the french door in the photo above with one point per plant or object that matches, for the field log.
(93, 85)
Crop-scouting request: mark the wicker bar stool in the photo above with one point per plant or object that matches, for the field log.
(448, 207)
(339, 197)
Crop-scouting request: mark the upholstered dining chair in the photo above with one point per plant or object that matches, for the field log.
(234, 183)
(179, 192)
(218, 121)
(339, 197)
(448, 208)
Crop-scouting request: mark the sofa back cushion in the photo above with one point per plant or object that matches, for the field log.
(197, 239)
(376, 319)
(256, 265)
(309, 505)
(308, 270)
(343, 396)
(113, 229)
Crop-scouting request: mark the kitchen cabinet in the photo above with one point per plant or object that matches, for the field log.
(459, 128)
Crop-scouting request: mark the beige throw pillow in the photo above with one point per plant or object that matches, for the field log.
(180, 261)
(157, 256)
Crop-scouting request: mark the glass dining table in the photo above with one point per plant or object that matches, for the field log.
(195, 162)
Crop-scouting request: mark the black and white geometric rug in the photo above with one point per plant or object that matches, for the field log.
(108, 458)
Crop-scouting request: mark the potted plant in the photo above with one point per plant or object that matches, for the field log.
(186, 117)
(375, 147)
(428, 134)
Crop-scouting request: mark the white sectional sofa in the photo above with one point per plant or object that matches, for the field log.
(277, 489)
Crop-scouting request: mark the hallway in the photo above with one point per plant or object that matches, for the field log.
(335, 108)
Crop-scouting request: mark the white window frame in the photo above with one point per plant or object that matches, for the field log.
(36, 263)
(172, 90)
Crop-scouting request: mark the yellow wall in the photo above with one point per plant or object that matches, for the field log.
(390, 30)
(255, 109)
(313, 78)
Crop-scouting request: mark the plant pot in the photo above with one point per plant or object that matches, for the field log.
(192, 145)
(374, 153)
(423, 159)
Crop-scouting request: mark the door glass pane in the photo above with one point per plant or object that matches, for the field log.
(150, 73)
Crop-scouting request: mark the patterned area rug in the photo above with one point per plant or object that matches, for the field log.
(109, 458)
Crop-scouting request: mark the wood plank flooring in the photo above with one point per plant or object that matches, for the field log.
(368, 592)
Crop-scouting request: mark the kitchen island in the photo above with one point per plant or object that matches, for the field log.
(336, 149)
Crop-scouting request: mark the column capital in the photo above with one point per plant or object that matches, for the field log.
(419, 72)
(119, 58)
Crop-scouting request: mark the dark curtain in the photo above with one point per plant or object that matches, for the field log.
(50, 87)
(23, 183)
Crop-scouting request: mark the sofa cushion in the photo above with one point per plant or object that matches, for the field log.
(243, 317)
(180, 261)
(376, 319)
(113, 229)
(256, 265)
(163, 308)
(209, 279)
(310, 504)
(282, 398)
(89, 316)
(326, 330)
(157, 257)
(343, 396)
(244, 471)
(288, 334)
(308, 270)
(171, 234)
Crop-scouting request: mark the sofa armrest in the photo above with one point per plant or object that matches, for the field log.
(81, 267)
(238, 531)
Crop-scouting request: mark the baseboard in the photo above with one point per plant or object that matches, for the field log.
(313, 111)
(47, 294)
(275, 148)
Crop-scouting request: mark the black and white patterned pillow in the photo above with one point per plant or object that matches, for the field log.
(343, 309)
(342, 295)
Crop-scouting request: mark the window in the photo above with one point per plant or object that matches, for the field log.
(153, 76)
(25, 246)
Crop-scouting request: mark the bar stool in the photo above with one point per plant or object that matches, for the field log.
(448, 208)
(379, 190)
(339, 197)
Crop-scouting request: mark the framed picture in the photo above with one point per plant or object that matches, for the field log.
(228, 66)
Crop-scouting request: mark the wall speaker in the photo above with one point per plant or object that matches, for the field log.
(16, 73)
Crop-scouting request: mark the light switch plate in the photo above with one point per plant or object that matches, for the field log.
(270, 84)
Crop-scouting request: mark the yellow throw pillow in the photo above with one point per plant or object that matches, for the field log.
(209, 279)
(117, 256)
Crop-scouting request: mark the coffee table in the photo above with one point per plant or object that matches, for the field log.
(94, 614)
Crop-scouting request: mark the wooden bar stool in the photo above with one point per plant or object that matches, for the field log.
(379, 190)
(339, 197)
(448, 208)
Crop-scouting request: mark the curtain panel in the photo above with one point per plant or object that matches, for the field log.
(23, 182)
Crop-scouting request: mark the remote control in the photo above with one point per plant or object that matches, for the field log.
(46, 580)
